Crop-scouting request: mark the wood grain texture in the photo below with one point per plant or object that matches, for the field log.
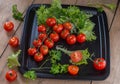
(115, 53)
(6, 15)
(109, 13)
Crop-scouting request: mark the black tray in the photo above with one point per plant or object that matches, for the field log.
(100, 46)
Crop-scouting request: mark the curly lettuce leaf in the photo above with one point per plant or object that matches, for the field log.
(12, 60)
(58, 68)
(30, 75)
(55, 55)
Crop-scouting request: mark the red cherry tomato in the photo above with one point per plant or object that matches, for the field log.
(8, 26)
(64, 33)
(42, 28)
(14, 42)
(32, 51)
(76, 56)
(54, 36)
(67, 25)
(49, 43)
(44, 49)
(51, 22)
(42, 36)
(58, 28)
(11, 75)
(99, 64)
(37, 43)
(81, 38)
(71, 39)
(38, 57)
(73, 69)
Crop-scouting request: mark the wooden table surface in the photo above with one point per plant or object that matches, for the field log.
(6, 50)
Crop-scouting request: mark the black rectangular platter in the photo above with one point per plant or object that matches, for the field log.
(100, 46)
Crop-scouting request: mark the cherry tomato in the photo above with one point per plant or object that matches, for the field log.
(38, 57)
(76, 56)
(99, 64)
(81, 38)
(32, 51)
(11, 75)
(41, 28)
(14, 42)
(64, 33)
(67, 25)
(71, 39)
(42, 36)
(51, 22)
(58, 28)
(37, 43)
(73, 69)
(8, 26)
(44, 50)
(49, 42)
(54, 36)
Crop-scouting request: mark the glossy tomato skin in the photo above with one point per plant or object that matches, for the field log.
(64, 33)
(11, 75)
(76, 56)
(38, 57)
(51, 22)
(8, 26)
(67, 25)
(81, 38)
(42, 36)
(73, 69)
(14, 42)
(58, 28)
(54, 36)
(37, 43)
(44, 50)
(32, 51)
(49, 43)
(41, 28)
(71, 39)
(99, 64)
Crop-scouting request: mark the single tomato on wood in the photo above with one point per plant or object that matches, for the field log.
(14, 42)
(11, 75)
(8, 26)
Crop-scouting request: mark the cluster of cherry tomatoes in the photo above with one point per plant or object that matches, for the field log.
(44, 42)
